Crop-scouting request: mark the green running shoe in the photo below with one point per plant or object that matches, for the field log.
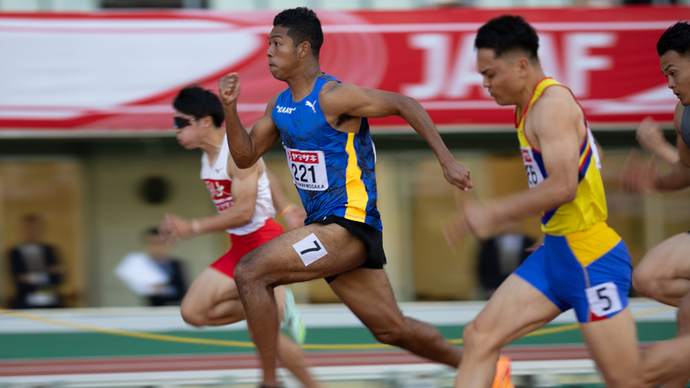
(294, 324)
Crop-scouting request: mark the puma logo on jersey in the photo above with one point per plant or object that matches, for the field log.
(282, 109)
(311, 105)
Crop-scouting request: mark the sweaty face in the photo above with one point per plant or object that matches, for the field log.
(676, 68)
(282, 56)
(501, 76)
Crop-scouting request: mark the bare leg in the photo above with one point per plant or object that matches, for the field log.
(613, 345)
(292, 358)
(683, 331)
(664, 275)
(212, 300)
(664, 272)
(367, 292)
(514, 310)
(289, 353)
(276, 263)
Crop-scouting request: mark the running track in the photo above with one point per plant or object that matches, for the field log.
(250, 361)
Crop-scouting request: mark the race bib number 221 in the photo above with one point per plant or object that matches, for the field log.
(308, 169)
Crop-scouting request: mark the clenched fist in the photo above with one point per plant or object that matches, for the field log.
(229, 88)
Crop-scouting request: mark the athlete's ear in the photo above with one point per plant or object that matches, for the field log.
(206, 121)
(304, 49)
(523, 66)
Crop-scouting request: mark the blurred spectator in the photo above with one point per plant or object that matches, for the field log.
(153, 273)
(500, 256)
(35, 267)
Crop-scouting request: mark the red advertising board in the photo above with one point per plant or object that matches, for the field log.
(117, 72)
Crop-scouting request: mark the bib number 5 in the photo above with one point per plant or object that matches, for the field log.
(604, 299)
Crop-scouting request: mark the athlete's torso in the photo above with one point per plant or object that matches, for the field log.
(332, 170)
(685, 125)
(219, 185)
(589, 206)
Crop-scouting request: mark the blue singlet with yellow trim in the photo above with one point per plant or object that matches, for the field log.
(332, 170)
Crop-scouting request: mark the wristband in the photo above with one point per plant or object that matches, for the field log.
(196, 228)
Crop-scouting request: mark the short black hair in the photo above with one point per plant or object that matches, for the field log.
(676, 38)
(198, 102)
(303, 25)
(508, 33)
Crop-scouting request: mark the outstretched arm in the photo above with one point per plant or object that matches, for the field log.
(352, 100)
(554, 121)
(638, 177)
(651, 137)
(244, 192)
(245, 148)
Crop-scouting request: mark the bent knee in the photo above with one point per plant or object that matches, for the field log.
(475, 338)
(391, 337)
(393, 334)
(646, 282)
(192, 317)
(191, 314)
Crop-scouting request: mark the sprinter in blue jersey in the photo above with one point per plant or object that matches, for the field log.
(323, 126)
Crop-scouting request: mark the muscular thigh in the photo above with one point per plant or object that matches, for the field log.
(306, 253)
(612, 342)
(210, 288)
(669, 259)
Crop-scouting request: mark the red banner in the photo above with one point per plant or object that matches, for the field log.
(118, 72)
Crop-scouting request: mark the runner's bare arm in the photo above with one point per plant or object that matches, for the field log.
(244, 193)
(348, 99)
(679, 176)
(651, 137)
(292, 214)
(554, 121)
(246, 148)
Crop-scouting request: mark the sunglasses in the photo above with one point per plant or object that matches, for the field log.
(181, 122)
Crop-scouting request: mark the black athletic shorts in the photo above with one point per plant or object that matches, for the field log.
(371, 237)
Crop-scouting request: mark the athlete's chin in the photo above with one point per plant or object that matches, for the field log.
(685, 101)
(275, 72)
(186, 145)
(502, 102)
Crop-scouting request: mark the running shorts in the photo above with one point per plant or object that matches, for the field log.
(588, 271)
(371, 237)
(241, 245)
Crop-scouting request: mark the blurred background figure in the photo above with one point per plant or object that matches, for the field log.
(172, 292)
(35, 268)
(153, 273)
(500, 255)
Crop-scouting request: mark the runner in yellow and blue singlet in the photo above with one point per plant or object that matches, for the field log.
(583, 263)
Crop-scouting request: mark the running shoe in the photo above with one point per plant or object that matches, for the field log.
(502, 379)
(292, 319)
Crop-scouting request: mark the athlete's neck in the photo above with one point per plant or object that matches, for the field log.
(212, 143)
(302, 84)
(533, 78)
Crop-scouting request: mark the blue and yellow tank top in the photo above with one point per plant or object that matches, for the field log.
(589, 207)
(332, 170)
